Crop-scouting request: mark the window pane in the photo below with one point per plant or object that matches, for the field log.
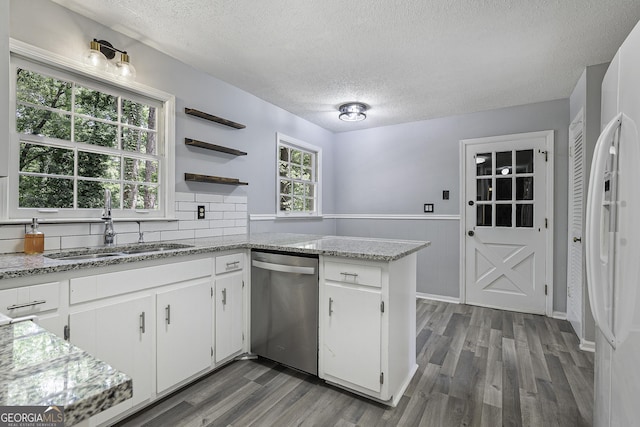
(284, 169)
(524, 161)
(309, 205)
(30, 120)
(298, 204)
(285, 186)
(296, 171)
(503, 189)
(310, 190)
(296, 156)
(285, 203)
(483, 215)
(284, 154)
(503, 215)
(136, 196)
(139, 141)
(524, 188)
(44, 192)
(140, 170)
(96, 133)
(483, 164)
(306, 174)
(484, 189)
(91, 194)
(306, 160)
(37, 89)
(93, 165)
(96, 104)
(524, 215)
(503, 162)
(140, 115)
(42, 159)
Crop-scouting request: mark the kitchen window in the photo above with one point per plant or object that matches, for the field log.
(298, 181)
(74, 137)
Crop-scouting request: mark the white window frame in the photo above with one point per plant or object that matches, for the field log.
(284, 140)
(52, 64)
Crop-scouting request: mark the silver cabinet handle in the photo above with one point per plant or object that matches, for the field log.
(167, 312)
(26, 304)
(233, 264)
(330, 306)
(142, 323)
(224, 296)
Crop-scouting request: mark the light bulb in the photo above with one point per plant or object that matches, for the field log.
(124, 69)
(94, 58)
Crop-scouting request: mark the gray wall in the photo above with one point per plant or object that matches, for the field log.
(4, 85)
(396, 169)
(47, 25)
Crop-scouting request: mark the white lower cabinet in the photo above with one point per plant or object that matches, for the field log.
(120, 333)
(184, 324)
(352, 335)
(229, 301)
(41, 300)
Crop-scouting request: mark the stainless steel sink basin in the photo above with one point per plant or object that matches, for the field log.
(101, 253)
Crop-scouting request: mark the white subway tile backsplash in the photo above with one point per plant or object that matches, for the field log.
(12, 231)
(176, 235)
(185, 197)
(209, 198)
(235, 199)
(225, 215)
(209, 232)
(222, 207)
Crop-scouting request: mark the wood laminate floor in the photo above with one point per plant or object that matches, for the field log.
(477, 367)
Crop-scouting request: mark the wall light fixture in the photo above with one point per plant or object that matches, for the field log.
(99, 54)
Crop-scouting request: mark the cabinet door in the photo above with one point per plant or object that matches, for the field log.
(184, 326)
(120, 334)
(41, 301)
(229, 315)
(352, 335)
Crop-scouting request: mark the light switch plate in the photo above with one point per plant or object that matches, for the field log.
(428, 207)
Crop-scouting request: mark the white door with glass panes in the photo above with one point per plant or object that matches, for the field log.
(505, 221)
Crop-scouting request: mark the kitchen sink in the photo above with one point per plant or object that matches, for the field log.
(101, 253)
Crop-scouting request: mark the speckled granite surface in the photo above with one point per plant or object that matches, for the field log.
(20, 265)
(38, 368)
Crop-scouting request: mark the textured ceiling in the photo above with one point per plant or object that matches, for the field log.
(409, 59)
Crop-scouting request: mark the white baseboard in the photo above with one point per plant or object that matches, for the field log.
(453, 300)
(560, 315)
(587, 345)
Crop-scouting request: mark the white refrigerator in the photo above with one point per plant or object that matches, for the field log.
(613, 242)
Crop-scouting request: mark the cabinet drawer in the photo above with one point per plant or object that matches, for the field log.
(30, 299)
(226, 263)
(357, 274)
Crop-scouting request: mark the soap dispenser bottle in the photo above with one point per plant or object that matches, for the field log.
(34, 239)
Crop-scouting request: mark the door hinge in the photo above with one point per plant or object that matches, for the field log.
(211, 351)
(381, 377)
(243, 336)
(546, 289)
(546, 155)
(382, 306)
(243, 283)
(212, 292)
(546, 223)
(66, 333)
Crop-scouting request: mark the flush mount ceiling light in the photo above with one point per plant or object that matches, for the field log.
(353, 112)
(99, 54)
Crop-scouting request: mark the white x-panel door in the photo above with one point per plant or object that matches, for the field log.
(505, 230)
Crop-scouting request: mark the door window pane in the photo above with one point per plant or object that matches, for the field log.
(503, 162)
(483, 215)
(483, 164)
(524, 188)
(483, 189)
(503, 188)
(524, 161)
(503, 215)
(524, 215)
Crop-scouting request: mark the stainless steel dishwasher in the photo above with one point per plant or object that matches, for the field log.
(284, 309)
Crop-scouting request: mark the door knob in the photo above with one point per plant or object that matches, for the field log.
(470, 202)
(470, 233)
(577, 239)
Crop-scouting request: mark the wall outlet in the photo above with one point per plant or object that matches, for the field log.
(428, 207)
(445, 194)
(200, 211)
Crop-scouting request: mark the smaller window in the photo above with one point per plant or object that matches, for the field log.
(298, 177)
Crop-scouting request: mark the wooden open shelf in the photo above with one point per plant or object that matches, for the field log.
(211, 117)
(213, 179)
(214, 147)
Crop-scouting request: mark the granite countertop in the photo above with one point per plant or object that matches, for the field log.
(38, 368)
(21, 265)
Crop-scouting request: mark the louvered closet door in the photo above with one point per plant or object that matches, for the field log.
(576, 214)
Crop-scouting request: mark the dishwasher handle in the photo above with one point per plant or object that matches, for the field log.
(283, 268)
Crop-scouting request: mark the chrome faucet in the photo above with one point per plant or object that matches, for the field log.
(109, 231)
